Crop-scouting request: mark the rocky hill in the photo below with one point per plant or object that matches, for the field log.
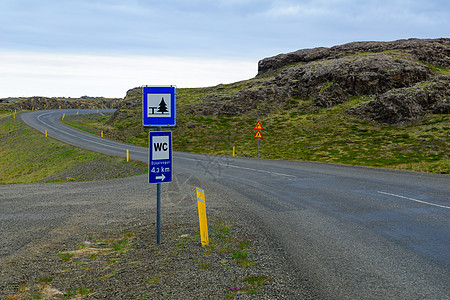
(403, 80)
(432, 51)
(39, 103)
(397, 82)
(380, 104)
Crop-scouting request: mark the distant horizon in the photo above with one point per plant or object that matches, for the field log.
(54, 73)
(60, 97)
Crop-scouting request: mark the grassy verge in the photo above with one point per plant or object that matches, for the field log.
(27, 156)
(295, 133)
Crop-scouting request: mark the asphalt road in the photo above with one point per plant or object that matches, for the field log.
(350, 232)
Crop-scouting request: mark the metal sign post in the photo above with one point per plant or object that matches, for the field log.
(159, 168)
(257, 148)
(158, 110)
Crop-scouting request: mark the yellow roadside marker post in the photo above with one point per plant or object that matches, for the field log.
(101, 134)
(234, 150)
(202, 217)
(128, 155)
(46, 133)
(77, 113)
(63, 117)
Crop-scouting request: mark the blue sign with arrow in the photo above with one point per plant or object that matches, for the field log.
(160, 157)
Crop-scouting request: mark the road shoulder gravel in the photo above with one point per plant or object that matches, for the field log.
(97, 240)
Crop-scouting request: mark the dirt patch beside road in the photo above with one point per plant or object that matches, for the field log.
(104, 246)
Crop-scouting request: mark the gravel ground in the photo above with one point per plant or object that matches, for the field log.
(101, 245)
(102, 169)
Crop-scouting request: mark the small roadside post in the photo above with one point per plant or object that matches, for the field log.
(258, 136)
(201, 205)
(158, 110)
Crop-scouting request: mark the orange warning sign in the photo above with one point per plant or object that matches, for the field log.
(258, 135)
(258, 126)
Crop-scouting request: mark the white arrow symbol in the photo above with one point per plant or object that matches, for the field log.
(160, 177)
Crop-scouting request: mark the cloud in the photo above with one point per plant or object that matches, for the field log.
(40, 74)
(284, 11)
(218, 33)
(249, 29)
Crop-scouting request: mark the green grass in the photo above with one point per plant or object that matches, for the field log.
(256, 280)
(324, 135)
(155, 279)
(27, 156)
(66, 256)
(438, 69)
(229, 249)
(121, 244)
(297, 131)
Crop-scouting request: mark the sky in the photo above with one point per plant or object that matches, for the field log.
(72, 48)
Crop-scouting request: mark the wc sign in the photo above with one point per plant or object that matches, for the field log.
(160, 157)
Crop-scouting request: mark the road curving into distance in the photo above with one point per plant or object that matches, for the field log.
(350, 232)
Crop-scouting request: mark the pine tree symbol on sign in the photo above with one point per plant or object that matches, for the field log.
(162, 106)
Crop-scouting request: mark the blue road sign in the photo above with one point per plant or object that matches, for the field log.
(158, 105)
(160, 157)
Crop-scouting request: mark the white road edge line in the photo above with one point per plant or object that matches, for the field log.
(257, 170)
(244, 168)
(412, 199)
(85, 137)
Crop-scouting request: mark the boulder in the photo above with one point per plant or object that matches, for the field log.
(408, 104)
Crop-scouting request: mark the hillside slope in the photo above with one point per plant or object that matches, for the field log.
(332, 76)
(368, 103)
